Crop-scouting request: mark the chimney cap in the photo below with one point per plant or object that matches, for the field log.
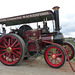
(56, 8)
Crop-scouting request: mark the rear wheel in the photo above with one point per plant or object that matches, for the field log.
(70, 49)
(12, 49)
(23, 29)
(54, 56)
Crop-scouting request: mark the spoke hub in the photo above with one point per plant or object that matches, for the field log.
(9, 49)
(54, 56)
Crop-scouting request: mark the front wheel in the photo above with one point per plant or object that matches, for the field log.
(54, 56)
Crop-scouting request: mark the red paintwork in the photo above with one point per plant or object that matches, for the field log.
(69, 49)
(49, 56)
(32, 47)
(47, 38)
(36, 35)
(12, 56)
(64, 51)
(32, 34)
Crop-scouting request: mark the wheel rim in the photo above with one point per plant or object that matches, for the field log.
(54, 56)
(10, 50)
(69, 50)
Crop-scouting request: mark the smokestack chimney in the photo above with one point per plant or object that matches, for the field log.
(56, 15)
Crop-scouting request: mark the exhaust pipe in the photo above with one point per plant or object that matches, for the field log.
(56, 16)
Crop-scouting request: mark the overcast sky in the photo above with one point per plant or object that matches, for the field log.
(10, 8)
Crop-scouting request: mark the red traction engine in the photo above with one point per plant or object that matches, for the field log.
(26, 42)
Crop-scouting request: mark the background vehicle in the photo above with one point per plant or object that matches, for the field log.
(26, 42)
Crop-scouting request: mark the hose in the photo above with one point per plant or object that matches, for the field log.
(64, 51)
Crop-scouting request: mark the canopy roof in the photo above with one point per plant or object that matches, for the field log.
(28, 18)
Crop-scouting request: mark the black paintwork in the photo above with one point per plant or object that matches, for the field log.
(58, 38)
(56, 16)
(28, 18)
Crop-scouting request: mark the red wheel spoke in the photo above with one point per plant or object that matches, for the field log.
(69, 53)
(68, 48)
(9, 42)
(58, 60)
(59, 54)
(65, 46)
(55, 61)
(16, 48)
(13, 43)
(4, 50)
(18, 52)
(14, 57)
(5, 41)
(6, 55)
(51, 51)
(15, 54)
(5, 44)
(52, 60)
(57, 51)
(49, 54)
(54, 50)
(11, 58)
(3, 54)
(16, 45)
(2, 46)
(50, 57)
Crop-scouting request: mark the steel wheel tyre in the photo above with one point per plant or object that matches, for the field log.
(70, 49)
(54, 56)
(12, 49)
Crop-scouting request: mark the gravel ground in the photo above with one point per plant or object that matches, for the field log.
(36, 67)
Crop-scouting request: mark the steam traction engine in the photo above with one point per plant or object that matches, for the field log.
(28, 43)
